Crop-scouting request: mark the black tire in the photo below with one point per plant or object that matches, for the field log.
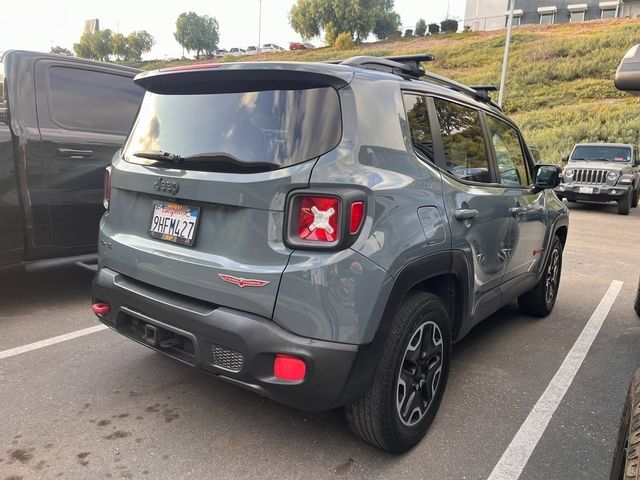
(624, 204)
(636, 304)
(377, 416)
(626, 456)
(539, 301)
(634, 200)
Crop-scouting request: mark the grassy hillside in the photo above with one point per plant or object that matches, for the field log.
(560, 81)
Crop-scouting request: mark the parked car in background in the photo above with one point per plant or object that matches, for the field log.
(300, 46)
(321, 242)
(271, 47)
(221, 53)
(61, 120)
(237, 52)
(251, 50)
(602, 172)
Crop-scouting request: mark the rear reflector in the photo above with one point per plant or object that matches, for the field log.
(288, 368)
(106, 194)
(357, 214)
(318, 219)
(101, 308)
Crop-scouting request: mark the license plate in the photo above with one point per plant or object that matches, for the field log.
(585, 190)
(174, 222)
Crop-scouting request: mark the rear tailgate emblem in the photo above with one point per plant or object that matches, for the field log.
(242, 282)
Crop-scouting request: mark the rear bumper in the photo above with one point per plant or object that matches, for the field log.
(236, 346)
(601, 193)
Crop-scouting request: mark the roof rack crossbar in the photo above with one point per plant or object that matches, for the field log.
(405, 65)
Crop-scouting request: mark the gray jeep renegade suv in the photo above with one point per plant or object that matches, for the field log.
(321, 233)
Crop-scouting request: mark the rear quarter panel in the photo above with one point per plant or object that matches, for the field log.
(405, 219)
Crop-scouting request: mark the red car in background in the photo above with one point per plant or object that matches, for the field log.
(300, 46)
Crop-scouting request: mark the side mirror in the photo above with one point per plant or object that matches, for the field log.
(547, 176)
(565, 159)
(628, 73)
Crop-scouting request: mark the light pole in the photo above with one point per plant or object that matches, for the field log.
(505, 60)
(448, 6)
(259, 24)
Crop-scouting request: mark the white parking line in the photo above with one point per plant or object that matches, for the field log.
(50, 341)
(521, 447)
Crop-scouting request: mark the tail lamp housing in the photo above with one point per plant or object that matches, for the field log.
(324, 219)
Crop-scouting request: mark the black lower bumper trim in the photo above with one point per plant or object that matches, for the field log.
(236, 346)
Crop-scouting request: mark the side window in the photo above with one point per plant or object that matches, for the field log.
(418, 118)
(93, 101)
(512, 166)
(464, 147)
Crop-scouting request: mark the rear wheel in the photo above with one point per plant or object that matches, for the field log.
(626, 458)
(624, 204)
(636, 304)
(634, 201)
(396, 411)
(539, 301)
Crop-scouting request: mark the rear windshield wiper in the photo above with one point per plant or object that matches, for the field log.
(210, 162)
(159, 155)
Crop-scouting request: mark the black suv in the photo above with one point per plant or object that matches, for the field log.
(320, 234)
(61, 120)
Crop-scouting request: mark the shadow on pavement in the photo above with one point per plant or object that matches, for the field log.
(22, 291)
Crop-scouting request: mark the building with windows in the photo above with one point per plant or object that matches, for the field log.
(492, 14)
(91, 26)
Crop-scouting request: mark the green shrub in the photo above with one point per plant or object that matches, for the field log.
(343, 41)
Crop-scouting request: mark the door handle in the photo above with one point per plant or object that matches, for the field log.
(517, 211)
(465, 213)
(74, 153)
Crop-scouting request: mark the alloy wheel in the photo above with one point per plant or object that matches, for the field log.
(419, 374)
(553, 272)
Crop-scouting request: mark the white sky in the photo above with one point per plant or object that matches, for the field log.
(39, 24)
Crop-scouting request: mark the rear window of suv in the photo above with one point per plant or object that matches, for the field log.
(271, 128)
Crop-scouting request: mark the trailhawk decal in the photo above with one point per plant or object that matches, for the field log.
(242, 282)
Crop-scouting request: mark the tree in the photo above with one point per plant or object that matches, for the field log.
(61, 50)
(386, 25)
(100, 43)
(120, 46)
(310, 18)
(197, 33)
(449, 26)
(421, 28)
(138, 43)
(434, 29)
(83, 47)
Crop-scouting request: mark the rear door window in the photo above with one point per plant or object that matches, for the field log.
(418, 118)
(512, 165)
(465, 149)
(92, 101)
(222, 131)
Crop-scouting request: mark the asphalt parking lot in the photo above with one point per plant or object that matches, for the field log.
(100, 406)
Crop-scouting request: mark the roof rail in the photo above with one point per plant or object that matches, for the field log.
(479, 92)
(410, 67)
